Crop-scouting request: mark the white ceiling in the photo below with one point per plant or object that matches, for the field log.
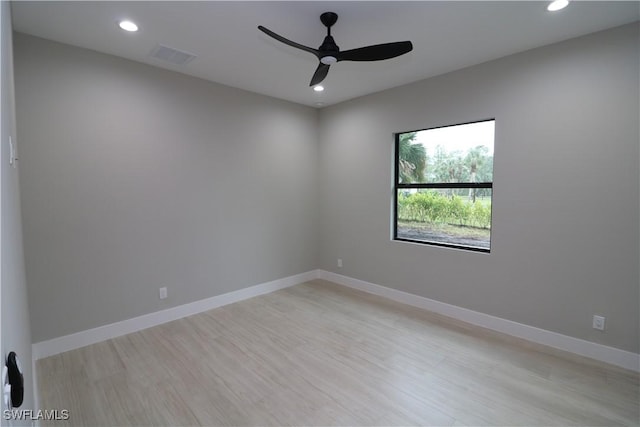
(231, 51)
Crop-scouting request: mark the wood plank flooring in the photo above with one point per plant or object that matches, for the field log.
(322, 354)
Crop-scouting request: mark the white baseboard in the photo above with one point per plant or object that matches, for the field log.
(603, 353)
(614, 356)
(91, 336)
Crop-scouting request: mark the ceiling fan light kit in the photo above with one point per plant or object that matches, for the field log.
(329, 53)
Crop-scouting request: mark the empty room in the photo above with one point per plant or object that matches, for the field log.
(320, 213)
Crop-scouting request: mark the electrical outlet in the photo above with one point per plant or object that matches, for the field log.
(598, 322)
(339, 262)
(163, 293)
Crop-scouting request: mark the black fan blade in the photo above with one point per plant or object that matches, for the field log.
(288, 42)
(376, 52)
(320, 74)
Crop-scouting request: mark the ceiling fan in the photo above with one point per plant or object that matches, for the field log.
(329, 53)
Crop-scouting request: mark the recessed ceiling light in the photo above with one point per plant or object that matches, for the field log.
(318, 88)
(128, 26)
(557, 5)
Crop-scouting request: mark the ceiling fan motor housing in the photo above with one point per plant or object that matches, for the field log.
(328, 51)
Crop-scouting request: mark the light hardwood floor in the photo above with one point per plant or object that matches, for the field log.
(322, 354)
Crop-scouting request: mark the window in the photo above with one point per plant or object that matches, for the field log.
(443, 186)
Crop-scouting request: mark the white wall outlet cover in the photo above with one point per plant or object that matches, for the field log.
(598, 322)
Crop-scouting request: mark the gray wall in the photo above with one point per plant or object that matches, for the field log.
(566, 184)
(135, 178)
(16, 335)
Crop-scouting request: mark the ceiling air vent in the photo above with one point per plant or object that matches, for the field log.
(169, 54)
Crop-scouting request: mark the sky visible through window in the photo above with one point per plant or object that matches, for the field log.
(459, 138)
